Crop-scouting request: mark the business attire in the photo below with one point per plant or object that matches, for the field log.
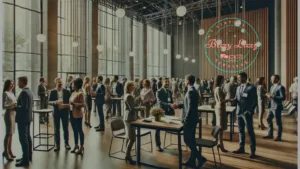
(9, 115)
(261, 100)
(230, 91)
(94, 87)
(60, 114)
(100, 101)
(294, 93)
(190, 119)
(107, 100)
(88, 99)
(246, 100)
(147, 96)
(69, 87)
(76, 116)
(154, 87)
(164, 101)
(24, 118)
(117, 91)
(277, 93)
(130, 114)
(42, 93)
(159, 84)
(220, 108)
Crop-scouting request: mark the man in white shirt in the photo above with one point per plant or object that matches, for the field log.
(294, 92)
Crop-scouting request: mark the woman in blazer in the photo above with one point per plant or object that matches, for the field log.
(130, 114)
(9, 103)
(261, 100)
(147, 98)
(107, 97)
(220, 109)
(76, 114)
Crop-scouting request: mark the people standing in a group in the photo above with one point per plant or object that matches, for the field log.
(94, 86)
(147, 98)
(117, 91)
(159, 83)
(276, 96)
(190, 120)
(164, 101)
(220, 109)
(107, 97)
(9, 104)
(246, 100)
(43, 95)
(69, 83)
(76, 115)
(130, 114)
(59, 99)
(24, 118)
(88, 92)
(100, 101)
(261, 101)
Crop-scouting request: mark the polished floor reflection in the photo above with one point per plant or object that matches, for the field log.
(272, 155)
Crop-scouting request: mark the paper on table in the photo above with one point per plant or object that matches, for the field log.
(169, 120)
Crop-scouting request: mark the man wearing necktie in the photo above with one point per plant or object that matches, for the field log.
(164, 101)
(246, 100)
(276, 96)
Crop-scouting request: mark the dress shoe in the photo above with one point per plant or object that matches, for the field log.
(201, 162)
(20, 159)
(158, 148)
(268, 137)
(252, 155)
(129, 160)
(68, 147)
(277, 139)
(57, 148)
(189, 164)
(239, 151)
(100, 129)
(5, 155)
(97, 127)
(222, 149)
(22, 164)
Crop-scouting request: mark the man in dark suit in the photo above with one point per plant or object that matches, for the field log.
(100, 93)
(246, 100)
(43, 95)
(190, 120)
(159, 83)
(276, 96)
(117, 91)
(24, 118)
(69, 84)
(164, 101)
(59, 99)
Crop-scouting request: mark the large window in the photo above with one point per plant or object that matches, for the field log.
(72, 38)
(21, 50)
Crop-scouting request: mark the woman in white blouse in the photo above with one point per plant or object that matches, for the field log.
(147, 98)
(9, 103)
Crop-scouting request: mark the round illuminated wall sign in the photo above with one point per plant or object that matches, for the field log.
(238, 50)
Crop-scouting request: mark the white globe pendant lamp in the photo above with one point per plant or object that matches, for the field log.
(178, 56)
(181, 11)
(120, 12)
(193, 60)
(131, 54)
(201, 32)
(186, 59)
(41, 37)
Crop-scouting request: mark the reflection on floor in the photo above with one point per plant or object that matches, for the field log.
(271, 154)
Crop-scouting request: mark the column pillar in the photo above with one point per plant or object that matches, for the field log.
(145, 52)
(283, 43)
(94, 39)
(131, 59)
(277, 37)
(52, 44)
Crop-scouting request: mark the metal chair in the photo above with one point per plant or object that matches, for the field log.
(211, 143)
(118, 131)
(171, 133)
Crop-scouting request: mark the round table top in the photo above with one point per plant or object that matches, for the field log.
(43, 111)
(117, 98)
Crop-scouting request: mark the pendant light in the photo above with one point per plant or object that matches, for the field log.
(201, 30)
(178, 56)
(193, 60)
(181, 10)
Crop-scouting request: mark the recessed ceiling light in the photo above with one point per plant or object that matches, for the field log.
(241, 7)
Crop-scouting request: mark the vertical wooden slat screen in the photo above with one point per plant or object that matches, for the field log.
(291, 43)
(258, 19)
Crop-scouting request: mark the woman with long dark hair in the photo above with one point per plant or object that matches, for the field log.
(220, 109)
(261, 100)
(76, 115)
(9, 103)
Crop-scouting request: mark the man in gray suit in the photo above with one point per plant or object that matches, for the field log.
(24, 118)
(43, 95)
(276, 96)
(190, 120)
(246, 100)
(230, 89)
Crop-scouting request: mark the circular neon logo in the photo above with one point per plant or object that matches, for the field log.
(231, 45)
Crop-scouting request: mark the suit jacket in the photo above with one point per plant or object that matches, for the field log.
(100, 94)
(69, 87)
(164, 100)
(277, 96)
(190, 106)
(42, 92)
(159, 84)
(119, 89)
(131, 108)
(246, 101)
(54, 97)
(24, 107)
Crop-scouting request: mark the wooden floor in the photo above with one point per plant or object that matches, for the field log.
(271, 155)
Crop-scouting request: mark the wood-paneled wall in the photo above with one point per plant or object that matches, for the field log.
(258, 19)
(291, 43)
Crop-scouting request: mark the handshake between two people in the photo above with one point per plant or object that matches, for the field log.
(174, 106)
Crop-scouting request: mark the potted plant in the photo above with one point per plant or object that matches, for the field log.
(157, 112)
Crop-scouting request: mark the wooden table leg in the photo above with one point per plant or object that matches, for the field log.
(231, 126)
(179, 150)
(138, 146)
(200, 134)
